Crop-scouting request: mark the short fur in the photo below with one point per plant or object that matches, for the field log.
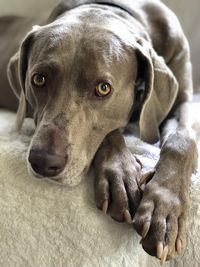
(140, 48)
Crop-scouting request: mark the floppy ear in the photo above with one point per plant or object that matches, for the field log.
(14, 79)
(161, 90)
(16, 71)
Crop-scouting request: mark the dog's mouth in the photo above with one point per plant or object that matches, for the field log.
(71, 177)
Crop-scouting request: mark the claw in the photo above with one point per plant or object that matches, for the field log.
(164, 255)
(146, 177)
(127, 217)
(105, 206)
(159, 249)
(145, 229)
(178, 245)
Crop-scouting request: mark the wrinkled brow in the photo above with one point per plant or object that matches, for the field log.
(45, 64)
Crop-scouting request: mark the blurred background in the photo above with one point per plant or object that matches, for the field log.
(187, 12)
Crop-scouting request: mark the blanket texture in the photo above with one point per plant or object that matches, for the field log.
(46, 225)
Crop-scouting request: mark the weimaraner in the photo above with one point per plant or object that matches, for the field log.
(83, 75)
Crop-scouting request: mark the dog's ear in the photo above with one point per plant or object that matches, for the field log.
(161, 90)
(15, 82)
(17, 68)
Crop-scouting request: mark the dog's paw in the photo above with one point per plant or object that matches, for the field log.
(116, 185)
(161, 221)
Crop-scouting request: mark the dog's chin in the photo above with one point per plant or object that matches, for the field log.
(66, 178)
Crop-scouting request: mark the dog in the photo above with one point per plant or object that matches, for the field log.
(87, 71)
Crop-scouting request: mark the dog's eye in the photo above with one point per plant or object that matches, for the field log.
(103, 89)
(38, 80)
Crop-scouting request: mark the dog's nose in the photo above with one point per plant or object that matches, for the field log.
(46, 164)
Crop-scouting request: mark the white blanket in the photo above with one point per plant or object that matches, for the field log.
(46, 225)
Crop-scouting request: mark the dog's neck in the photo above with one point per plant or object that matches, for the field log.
(124, 6)
(120, 6)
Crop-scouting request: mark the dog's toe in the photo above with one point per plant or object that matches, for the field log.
(110, 194)
(117, 191)
(102, 193)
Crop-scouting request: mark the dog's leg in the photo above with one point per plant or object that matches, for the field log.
(117, 173)
(161, 218)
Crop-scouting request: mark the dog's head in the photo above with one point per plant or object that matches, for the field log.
(79, 74)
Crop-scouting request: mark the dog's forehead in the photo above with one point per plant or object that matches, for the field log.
(93, 46)
(74, 39)
(82, 48)
(90, 29)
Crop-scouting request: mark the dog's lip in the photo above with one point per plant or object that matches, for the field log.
(38, 176)
(54, 179)
(59, 180)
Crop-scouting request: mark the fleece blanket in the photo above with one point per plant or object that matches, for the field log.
(46, 225)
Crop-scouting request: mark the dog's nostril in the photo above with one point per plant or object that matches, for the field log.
(46, 164)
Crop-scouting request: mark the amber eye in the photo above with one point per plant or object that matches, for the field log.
(38, 80)
(103, 89)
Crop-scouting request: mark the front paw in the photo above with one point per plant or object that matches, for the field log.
(116, 185)
(161, 221)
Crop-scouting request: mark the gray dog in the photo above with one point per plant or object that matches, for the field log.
(90, 69)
